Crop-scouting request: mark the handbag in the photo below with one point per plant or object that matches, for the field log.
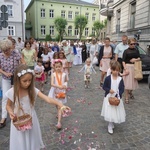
(95, 61)
(38, 75)
(138, 70)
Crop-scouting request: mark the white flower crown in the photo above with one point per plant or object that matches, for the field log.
(24, 72)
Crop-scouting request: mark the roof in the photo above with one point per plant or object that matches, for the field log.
(77, 2)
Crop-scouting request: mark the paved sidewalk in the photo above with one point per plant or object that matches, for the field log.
(85, 129)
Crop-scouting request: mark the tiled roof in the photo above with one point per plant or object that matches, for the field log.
(79, 2)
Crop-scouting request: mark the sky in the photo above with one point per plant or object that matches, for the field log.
(26, 2)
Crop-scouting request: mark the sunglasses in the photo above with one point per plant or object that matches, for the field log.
(133, 44)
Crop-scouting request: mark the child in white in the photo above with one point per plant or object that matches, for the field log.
(125, 73)
(23, 95)
(39, 74)
(88, 69)
(58, 87)
(113, 87)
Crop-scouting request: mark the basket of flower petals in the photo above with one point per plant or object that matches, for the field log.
(23, 122)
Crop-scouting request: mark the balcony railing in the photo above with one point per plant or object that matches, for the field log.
(106, 8)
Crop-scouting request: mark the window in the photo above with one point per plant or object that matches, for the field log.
(93, 17)
(42, 13)
(133, 12)
(63, 14)
(10, 10)
(93, 31)
(86, 31)
(76, 13)
(69, 14)
(42, 30)
(51, 13)
(51, 30)
(118, 15)
(11, 30)
(87, 15)
(70, 31)
(76, 32)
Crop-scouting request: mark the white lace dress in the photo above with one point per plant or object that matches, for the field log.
(30, 139)
(111, 113)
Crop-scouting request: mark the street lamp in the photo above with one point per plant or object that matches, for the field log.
(137, 35)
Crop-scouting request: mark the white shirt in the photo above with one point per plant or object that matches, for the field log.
(20, 46)
(45, 57)
(120, 48)
(39, 69)
(50, 54)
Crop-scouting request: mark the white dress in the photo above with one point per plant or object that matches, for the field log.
(78, 57)
(111, 113)
(53, 89)
(30, 139)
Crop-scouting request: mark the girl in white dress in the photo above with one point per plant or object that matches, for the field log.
(64, 63)
(22, 96)
(114, 87)
(58, 87)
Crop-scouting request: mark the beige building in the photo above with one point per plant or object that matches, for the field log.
(130, 17)
(40, 16)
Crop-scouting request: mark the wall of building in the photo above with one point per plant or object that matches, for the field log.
(37, 21)
(15, 20)
(142, 21)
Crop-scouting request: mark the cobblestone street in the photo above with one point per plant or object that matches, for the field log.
(85, 129)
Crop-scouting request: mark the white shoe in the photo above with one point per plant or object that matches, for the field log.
(110, 128)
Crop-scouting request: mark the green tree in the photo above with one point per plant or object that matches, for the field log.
(105, 22)
(80, 23)
(48, 37)
(60, 24)
(98, 26)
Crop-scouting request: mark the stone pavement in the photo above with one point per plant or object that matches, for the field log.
(85, 129)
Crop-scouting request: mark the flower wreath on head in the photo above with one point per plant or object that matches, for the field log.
(57, 60)
(23, 72)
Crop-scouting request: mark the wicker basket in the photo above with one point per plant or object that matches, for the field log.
(23, 122)
(38, 75)
(114, 101)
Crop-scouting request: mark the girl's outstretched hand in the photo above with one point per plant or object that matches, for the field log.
(65, 109)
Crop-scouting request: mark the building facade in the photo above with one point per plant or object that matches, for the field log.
(40, 16)
(130, 17)
(15, 19)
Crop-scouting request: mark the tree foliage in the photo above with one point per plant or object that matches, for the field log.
(80, 23)
(60, 24)
(98, 26)
(48, 37)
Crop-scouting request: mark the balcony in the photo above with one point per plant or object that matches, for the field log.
(107, 9)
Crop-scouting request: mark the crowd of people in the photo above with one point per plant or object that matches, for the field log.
(30, 61)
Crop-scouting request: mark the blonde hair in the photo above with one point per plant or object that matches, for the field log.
(31, 90)
(5, 44)
(88, 59)
(131, 40)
